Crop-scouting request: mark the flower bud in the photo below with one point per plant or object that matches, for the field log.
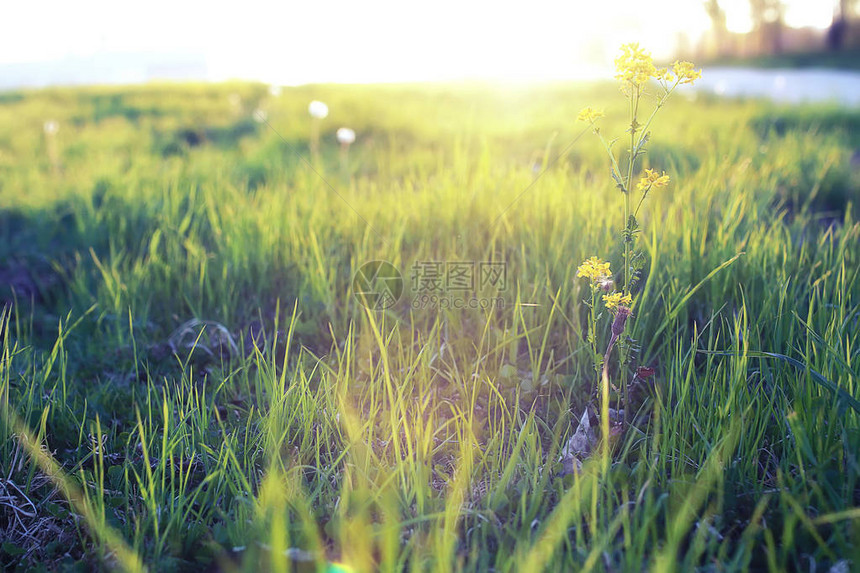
(622, 313)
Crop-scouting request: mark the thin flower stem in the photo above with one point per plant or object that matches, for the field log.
(634, 108)
(616, 169)
(628, 239)
(641, 200)
(593, 330)
(657, 107)
(604, 408)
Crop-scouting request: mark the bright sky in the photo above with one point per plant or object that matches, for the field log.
(798, 13)
(370, 40)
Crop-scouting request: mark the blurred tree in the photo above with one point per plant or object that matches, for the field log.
(841, 25)
(767, 18)
(720, 45)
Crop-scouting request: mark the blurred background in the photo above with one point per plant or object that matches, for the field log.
(102, 42)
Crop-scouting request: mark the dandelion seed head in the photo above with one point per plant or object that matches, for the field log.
(345, 135)
(606, 284)
(318, 109)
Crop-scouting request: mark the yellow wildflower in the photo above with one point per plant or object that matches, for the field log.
(686, 73)
(664, 75)
(594, 270)
(634, 65)
(652, 179)
(616, 299)
(589, 115)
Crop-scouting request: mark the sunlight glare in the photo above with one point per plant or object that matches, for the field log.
(376, 41)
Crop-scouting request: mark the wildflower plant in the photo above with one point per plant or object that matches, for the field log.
(599, 277)
(642, 84)
(318, 111)
(346, 137)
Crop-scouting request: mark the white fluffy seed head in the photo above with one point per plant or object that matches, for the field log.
(345, 135)
(318, 109)
(51, 127)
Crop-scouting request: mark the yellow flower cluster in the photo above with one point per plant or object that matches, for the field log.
(616, 299)
(664, 75)
(652, 179)
(589, 115)
(634, 65)
(594, 270)
(685, 72)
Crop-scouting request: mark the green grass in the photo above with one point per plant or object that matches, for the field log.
(418, 439)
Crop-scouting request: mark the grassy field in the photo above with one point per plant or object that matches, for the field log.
(188, 383)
